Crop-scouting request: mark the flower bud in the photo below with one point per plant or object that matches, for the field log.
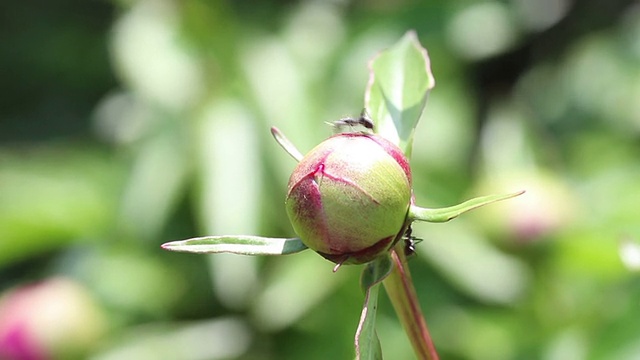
(53, 319)
(348, 198)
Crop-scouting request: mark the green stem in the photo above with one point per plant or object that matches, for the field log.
(399, 287)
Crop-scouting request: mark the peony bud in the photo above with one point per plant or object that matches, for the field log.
(53, 319)
(348, 198)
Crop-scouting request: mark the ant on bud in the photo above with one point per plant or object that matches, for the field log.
(363, 121)
(410, 242)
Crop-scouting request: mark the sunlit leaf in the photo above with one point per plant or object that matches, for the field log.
(237, 244)
(399, 82)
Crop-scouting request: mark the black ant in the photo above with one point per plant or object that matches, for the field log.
(410, 242)
(363, 120)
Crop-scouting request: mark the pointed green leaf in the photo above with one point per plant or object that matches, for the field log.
(448, 213)
(237, 244)
(367, 342)
(399, 82)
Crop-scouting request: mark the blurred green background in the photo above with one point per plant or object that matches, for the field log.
(126, 124)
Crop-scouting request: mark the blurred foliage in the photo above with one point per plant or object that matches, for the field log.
(127, 124)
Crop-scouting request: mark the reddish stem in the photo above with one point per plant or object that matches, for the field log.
(399, 287)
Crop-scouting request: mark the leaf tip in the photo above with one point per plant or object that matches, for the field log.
(287, 145)
(173, 246)
(412, 35)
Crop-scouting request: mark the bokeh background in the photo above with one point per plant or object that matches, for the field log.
(128, 123)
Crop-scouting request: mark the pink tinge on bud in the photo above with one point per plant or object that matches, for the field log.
(348, 198)
(395, 153)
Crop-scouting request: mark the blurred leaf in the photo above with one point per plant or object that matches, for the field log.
(472, 265)
(53, 196)
(146, 202)
(230, 179)
(367, 342)
(237, 244)
(153, 286)
(399, 82)
(219, 338)
(306, 285)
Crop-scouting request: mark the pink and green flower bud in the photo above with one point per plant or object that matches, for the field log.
(348, 198)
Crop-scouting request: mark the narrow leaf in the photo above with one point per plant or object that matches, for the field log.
(286, 144)
(399, 82)
(237, 244)
(366, 341)
(448, 213)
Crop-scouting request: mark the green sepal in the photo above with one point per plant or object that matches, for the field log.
(448, 213)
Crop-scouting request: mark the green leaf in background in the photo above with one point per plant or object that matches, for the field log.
(399, 83)
(448, 213)
(237, 244)
(367, 342)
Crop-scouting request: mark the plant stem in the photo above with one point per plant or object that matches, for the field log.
(399, 287)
